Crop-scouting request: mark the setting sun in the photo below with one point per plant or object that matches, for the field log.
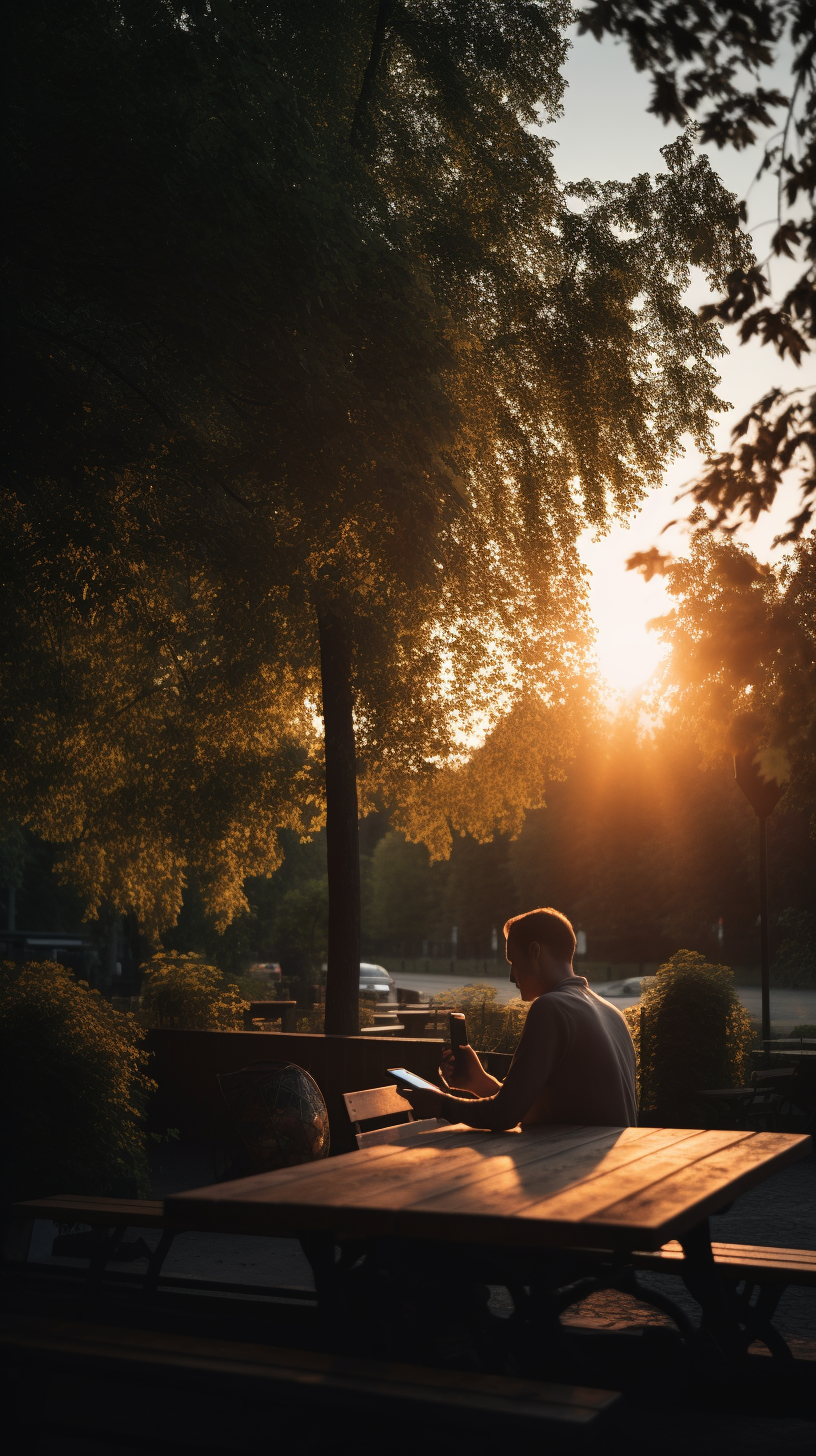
(621, 604)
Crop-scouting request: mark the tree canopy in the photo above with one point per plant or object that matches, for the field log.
(742, 666)
(712, 57)
(321, 372)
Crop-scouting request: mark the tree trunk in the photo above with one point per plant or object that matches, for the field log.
(342, 827)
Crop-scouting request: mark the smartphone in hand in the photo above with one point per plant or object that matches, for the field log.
(410, 1081)
(458, 1030)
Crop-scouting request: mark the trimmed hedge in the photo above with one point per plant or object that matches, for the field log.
(74, 1087)
(691, 1034)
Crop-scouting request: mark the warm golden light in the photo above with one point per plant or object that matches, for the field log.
(621, 604)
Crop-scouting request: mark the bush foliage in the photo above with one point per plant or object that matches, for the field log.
(795, 961)
(183, 991)
(74, 1087)
(691, 1034)
(491, 1027)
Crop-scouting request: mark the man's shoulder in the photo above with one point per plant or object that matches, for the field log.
(555, 1001)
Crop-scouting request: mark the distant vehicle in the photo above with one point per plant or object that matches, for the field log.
(72, 951)
(632, 986)
(266, 971)
(376, 984)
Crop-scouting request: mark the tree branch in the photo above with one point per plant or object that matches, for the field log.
(385, 10)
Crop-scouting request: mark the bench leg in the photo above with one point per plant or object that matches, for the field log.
(156, 1261)
(727, 1316)
(757, 1318)
(107, 1242)
(319, 1249)
(17, 1240)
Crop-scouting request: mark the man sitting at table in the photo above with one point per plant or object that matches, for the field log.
(575, 1062)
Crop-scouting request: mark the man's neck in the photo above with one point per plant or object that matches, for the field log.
(555, 975)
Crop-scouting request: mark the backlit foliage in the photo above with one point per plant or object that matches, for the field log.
(334, 338)
(742, 667)
(182, 991)
(795, 961)
(491, 1027)
(713, 58)
(74, 1087)
(691, 1034)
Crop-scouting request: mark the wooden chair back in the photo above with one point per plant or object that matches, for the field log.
(376, 1102)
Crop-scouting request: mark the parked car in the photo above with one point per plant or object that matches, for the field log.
(376, 984)
(632, 986)
(266, 971)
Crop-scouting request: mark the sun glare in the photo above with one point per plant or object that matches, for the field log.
(621, 604)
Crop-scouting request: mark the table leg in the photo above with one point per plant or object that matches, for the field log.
(319, 1249)
(703, 1280)
(107, 1242)
(156, 1261)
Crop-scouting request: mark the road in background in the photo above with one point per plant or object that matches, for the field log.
(788, 1008)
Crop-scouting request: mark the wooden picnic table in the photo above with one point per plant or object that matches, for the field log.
(557, 1187)
(510, 1200)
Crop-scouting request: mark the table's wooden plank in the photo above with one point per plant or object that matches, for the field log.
(257, 1185)
(593, 1195)
(439, 1170)
(512, 1186)
(65, 1208)
(459, 1187)
(691, 1194)
(447, 1154)
(509, 1183)
(499, 1210)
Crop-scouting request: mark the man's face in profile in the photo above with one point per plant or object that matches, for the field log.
(518, 960)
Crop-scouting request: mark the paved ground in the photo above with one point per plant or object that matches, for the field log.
(788, 1008)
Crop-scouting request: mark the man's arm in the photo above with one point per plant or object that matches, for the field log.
(462, 1071)
(539, 1052)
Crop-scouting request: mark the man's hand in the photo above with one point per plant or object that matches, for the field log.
(463, 1070)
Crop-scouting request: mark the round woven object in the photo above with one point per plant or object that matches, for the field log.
(277, 1113)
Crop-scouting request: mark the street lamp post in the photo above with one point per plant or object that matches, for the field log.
(763, 793)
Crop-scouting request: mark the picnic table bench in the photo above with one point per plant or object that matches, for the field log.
(210, 1388)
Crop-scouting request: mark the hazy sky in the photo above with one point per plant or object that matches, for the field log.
(606, 132)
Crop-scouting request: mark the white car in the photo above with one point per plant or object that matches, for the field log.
(632, 986)
(376, 984)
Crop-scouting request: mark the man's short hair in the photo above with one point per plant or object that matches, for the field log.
(549, 927)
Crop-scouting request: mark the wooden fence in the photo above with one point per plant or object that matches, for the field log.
(186, 1064)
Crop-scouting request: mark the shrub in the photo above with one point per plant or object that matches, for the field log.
(691, 1034)
(314, 1020)
(183, 991)
(74, 1087)
(795, 961)
(491, 1027)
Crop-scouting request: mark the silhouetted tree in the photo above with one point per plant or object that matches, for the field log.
(321, 374)
(709, 57)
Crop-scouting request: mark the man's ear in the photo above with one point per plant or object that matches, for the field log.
(534, 951)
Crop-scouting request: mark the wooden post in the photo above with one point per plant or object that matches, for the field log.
(763, 794)
(342, 826)
(763, 937)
